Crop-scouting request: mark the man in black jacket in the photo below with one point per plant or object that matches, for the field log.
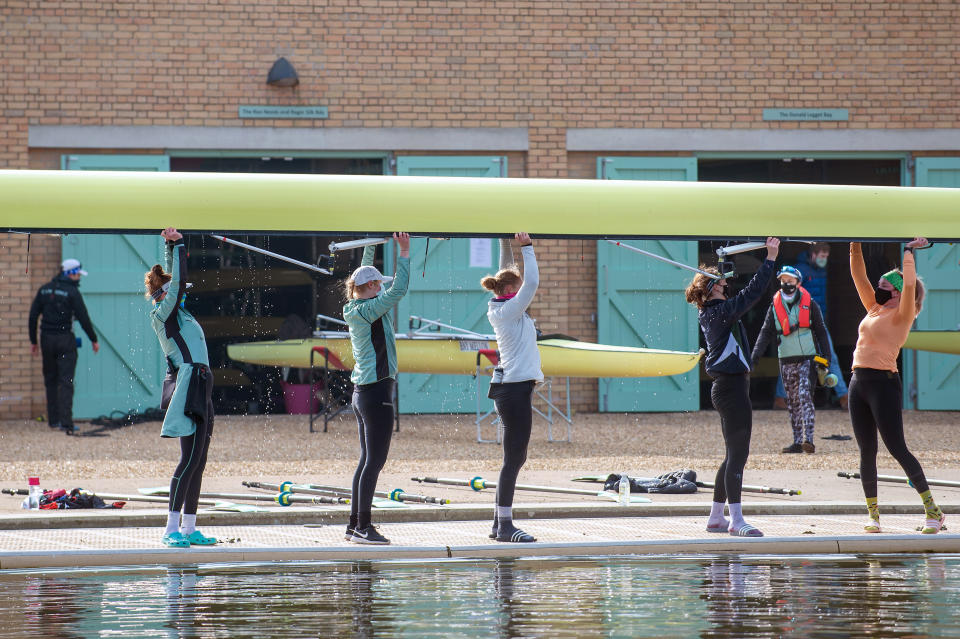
(58, 302)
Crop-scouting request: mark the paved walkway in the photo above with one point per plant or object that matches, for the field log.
(560, 531)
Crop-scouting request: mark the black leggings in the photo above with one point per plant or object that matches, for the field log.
(731, 398)
(514, 402)
(59, 364)
(185, 485)
(876, 405)
(373, 406)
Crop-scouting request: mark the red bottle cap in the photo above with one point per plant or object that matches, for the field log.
(33, 481)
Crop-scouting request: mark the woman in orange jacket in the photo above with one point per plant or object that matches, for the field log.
(876, 393)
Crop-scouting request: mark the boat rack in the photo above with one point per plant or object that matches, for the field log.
(332, 363)
(544, 391)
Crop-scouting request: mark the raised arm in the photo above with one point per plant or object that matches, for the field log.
(381, 304)
(907, 310)
(531, 281)
(506, 253)
(740, 303)
(178, 272)
(369, 253)
(858, 270)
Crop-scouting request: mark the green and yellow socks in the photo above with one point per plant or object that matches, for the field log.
(873, 509)
(935, 517)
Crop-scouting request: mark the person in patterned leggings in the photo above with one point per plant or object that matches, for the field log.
(794, 318)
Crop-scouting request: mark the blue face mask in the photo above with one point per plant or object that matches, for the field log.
(821, 262)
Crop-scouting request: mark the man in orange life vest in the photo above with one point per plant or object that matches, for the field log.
(795, 319)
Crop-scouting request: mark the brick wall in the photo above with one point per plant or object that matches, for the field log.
(21, 383)
(547, 66)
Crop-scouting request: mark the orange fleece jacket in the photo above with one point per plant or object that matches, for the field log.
(884, 330)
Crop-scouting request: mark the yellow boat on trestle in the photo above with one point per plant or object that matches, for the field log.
(452, 354)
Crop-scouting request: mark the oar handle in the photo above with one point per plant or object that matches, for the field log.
(353, 244)
(848, 475)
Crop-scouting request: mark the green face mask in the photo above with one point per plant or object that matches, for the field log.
(821, 262)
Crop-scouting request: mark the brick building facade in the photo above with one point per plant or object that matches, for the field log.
(550, 85)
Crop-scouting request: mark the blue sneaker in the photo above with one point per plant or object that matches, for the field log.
(175, 540)
(197, 538)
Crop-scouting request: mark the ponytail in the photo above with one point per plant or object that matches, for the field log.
(498, 283)
(154, 279)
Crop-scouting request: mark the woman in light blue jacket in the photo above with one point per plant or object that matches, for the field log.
(516, 374)
(187, 390)
(374, 378)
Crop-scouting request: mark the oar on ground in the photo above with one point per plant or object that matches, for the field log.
(284, 499)
(396, 494)
(478, 484)
(894, 479)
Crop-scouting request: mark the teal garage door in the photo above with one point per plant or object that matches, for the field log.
(640, 300)
(127, 372)
(937, 374)
(447, 289)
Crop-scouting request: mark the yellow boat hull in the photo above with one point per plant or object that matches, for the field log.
(934, 341)
(559, 358)
(78, 201)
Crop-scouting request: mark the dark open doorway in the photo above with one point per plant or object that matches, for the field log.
(842, 314)
(241, 296)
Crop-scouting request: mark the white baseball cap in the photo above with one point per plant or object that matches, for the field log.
(366, 274)
(71, 264)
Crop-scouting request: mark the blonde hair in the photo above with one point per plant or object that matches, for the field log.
(505, 277)
(351, 289)
(154, 279)
(697, 292)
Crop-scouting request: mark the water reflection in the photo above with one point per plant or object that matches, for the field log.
(715, 597)
(884, 596)
(182, 602)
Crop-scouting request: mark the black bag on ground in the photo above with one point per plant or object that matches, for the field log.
(678, 482)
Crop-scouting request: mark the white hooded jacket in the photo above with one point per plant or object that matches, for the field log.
(515, 330)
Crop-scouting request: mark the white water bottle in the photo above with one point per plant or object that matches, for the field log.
(34, 494)
(623, 488)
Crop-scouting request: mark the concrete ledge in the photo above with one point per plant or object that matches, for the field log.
(731, 545)
(262, 138)
(56, 519)
(761, 140)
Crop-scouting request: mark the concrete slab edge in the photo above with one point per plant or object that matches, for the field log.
(764, 546)
(458, 512)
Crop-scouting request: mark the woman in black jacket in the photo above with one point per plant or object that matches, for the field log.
(728, 363)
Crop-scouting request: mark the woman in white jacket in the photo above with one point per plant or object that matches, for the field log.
(517, 373)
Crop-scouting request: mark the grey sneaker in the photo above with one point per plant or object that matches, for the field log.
(368, 535)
